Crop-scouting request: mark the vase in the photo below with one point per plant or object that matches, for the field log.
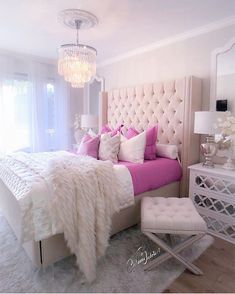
(229, 165)
(78, 135)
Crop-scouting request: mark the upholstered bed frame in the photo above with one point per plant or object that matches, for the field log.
(169, 104)
(172, 105)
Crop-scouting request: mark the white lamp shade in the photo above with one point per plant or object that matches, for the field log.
(89, 121)
(205, 121)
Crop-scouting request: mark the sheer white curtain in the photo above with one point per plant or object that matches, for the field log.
(33, 107)
(14, 116)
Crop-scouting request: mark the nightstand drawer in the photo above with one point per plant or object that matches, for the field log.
(219, 228)
(215, 207)
(213, 183)
(214, 195)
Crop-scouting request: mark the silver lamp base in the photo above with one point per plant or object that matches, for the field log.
(209, 149)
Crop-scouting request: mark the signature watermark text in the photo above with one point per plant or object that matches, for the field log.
(142, 256)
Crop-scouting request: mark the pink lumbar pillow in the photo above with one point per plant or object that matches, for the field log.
(151, 138)
(89, 146)
(113, 132)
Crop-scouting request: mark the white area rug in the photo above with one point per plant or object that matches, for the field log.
(18, 275)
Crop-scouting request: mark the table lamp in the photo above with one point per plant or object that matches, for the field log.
(89, 121)
(204, 124)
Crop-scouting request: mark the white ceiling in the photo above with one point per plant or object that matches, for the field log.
(31, 26)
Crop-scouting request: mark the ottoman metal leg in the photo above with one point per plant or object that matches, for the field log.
(173, 252)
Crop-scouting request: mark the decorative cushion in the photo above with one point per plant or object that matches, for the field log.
(151, 138)
(109, 147)
(89, 146)
(131, 132)
(91, 133)
(107, 129)
(168, 151)
(171, 215)
(132, 150)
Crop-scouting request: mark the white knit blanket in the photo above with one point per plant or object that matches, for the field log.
(34, 180)
(85, 197)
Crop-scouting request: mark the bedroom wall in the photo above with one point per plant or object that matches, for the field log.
(225, 90)
(189, 57)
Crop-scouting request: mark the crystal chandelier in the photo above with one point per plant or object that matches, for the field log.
(77, 62)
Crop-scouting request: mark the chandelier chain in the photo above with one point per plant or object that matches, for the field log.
(78, 25)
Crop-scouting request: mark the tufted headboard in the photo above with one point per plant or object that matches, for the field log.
(169, 104)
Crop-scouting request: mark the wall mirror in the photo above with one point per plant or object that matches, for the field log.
(90, 107)
(223, 91)
(223, 76)
(91, 95)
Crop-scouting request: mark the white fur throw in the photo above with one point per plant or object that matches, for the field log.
(109, 147)
(85, 197)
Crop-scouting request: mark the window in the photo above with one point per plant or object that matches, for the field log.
(15, 114)
(33, 108)
(51, 116)
(17, 117)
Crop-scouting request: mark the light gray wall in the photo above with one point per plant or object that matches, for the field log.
(189, 57)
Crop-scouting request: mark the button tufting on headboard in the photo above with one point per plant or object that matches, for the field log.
(147, 105)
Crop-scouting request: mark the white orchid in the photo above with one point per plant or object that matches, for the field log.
(77, 121)
(226, 139)
(226, 125)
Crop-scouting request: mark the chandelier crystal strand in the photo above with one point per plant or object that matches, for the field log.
(77, 62)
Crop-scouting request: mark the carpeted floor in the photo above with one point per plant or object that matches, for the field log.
(113, 273)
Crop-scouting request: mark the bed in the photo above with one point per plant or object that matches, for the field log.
(153, 174)
(171, 104)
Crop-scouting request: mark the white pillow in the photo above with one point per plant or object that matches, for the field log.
(132, 150)
(92, 133)
(166, 150)
(109, 147)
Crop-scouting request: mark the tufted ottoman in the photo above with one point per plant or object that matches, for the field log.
(176, 216)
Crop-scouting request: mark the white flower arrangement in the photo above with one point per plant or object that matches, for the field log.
(77, 122)
(226, 125)
(78, 131)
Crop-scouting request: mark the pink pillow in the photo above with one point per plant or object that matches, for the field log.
(107, 129)
(151, 138)
(150, 149)
(131, 132)
(89, 146)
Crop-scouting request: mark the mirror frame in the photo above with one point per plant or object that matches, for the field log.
(214, 55)
(86, 98)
